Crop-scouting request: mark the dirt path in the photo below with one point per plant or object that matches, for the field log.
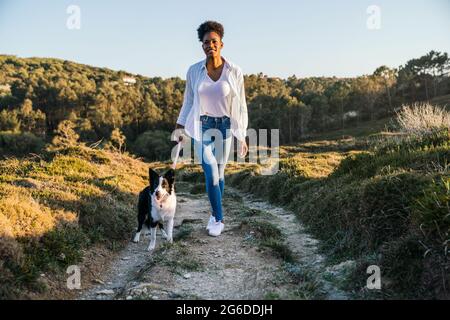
(233, 266)
(304, 248)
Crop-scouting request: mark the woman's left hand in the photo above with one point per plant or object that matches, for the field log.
(244, 149)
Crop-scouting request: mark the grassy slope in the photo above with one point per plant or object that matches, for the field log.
(56, 205)
(388, 208)
(368, 207)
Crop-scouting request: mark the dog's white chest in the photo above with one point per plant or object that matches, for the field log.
(164, 210)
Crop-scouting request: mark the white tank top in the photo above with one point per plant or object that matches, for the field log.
(215, 97)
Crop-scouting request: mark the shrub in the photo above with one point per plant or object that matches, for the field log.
(69, 166)
(20, 143)
(25, 217)
(65, 134)
(58, 248)
(388, 206)
(117, 139)
(9, 121)
(420, 119)
(431, 212)
(153, 145)
(83, 152)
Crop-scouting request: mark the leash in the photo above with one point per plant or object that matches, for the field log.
(174, 165)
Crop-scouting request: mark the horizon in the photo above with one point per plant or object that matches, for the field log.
(306, 39)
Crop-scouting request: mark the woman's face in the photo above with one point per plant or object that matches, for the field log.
(212, 44)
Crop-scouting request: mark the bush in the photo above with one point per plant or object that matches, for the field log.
(431, 211)
(153, 145)
(9, 121)
(65, 134)
(117, 139)
(20, 143)
(58, 248)
(54, 207)
(389, 206)
(420, 119)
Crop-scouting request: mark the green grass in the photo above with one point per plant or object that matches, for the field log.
(388, 200)
(56, 205)
(267, 235)
(176, 257)
(184, 232)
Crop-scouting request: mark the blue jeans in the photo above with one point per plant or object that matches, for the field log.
(214, 150)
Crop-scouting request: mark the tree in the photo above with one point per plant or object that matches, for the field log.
(117, 139)
(65, 134)
(30, 120)
(9, 121)
(436, 63)
(388, 77)
(368, 89)
(430, 67)
(337, 95)
(319, 113)
(304, 113)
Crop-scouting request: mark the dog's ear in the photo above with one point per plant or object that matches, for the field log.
(152, 175)
(170, 176)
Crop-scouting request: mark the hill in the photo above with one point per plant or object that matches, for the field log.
(59, 207)
(371, 197)
(37, 94)
(379, 199)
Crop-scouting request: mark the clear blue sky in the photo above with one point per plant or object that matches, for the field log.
(278, 37)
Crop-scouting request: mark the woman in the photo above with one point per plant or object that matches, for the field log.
(213, 110)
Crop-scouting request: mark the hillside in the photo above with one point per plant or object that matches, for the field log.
(375, 199)
(37, 94)
(362, 196)
(55, 208)
(359, 189)
(76, 205)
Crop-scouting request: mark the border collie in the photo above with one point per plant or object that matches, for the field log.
(156, 206)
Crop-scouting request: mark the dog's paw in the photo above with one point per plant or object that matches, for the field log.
(169, 240)
(151, 248)
(136, 238)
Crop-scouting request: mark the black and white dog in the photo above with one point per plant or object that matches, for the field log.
(156, 206)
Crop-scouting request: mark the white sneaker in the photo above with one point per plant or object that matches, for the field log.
(210, 222)
(216, 229)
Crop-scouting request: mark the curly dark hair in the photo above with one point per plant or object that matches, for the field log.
(210, 26)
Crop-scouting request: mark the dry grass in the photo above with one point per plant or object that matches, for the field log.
(422, 118)
(313, 165)
(386, 205)
(54, 206)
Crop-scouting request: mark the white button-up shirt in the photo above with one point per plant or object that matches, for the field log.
(190, 111)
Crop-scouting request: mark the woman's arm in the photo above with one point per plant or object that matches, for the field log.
(187, 101)
(244, 112)
(187, 104)
(243, 121)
